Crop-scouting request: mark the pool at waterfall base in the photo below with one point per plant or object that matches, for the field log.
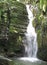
(28, 61)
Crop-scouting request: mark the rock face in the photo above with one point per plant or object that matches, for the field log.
(13, 25)
(5, 61)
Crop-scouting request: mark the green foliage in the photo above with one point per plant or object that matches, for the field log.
(43, 5)
(40, 24)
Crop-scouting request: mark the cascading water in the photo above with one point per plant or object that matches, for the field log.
(31, 39)
(31, 36)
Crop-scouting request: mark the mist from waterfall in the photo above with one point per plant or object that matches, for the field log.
(31, 36)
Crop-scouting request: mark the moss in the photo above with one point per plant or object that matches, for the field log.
(15, 29)
(40, 24)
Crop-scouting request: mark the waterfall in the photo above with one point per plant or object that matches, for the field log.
(30, 41)
(31, 36)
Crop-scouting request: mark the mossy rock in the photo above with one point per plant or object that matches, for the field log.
(5, 61)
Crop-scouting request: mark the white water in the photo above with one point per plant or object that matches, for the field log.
(31, 36)
(31, 39)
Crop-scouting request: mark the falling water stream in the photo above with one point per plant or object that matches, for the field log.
(31, 38)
